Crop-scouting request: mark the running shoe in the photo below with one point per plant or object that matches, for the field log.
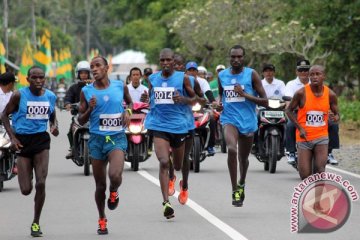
(168, 210)
(238, 196)
(102, 230)
(183, 196)
(171, 190)
(113, 200)
(35, 230)
(332, 160)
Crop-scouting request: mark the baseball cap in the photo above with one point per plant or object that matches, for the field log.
(268, 66)
(218, 67)
(148, 71)
(191, 65)
(303, 64)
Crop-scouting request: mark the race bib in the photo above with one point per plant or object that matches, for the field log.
(163, 95)
(110, 122)
(37, 110)
(315, 119)
(231, 95)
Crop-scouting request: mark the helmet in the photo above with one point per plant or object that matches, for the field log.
(82, 66)
(202, 69)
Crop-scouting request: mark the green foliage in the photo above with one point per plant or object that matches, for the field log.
(349, 110)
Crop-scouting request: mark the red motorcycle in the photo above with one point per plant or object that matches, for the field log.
(137, 136)
(201, 137)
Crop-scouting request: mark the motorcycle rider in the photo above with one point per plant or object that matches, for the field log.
(83, 75)
(274, 89)
(7, 83)
(302, 72)
(138, 91)
(193, 70)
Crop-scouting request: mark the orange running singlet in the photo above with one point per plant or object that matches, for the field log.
(313, 117)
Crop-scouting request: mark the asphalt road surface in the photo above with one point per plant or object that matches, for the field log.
(70, 211)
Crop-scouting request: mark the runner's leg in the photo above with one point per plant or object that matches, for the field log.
(231, 136)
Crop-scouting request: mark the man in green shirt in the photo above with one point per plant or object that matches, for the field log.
(214, 83)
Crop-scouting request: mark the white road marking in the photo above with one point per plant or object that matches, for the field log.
(344, 171)
(232, 233)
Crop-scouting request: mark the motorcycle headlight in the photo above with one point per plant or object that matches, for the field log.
(135, 129)
(196, 107)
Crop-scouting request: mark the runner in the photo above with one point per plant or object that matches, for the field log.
(167, 119)
(238, 88)
(101, 104)
(314, 102)
(31, 108)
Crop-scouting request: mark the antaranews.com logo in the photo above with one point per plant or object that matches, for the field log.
(321, 203)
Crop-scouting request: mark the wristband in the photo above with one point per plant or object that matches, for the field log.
(129, 111)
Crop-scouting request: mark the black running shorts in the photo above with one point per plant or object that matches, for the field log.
(33, 143)
(175, 140)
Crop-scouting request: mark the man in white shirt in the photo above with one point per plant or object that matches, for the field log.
(302, 72)
(273, 87)
(138, 92)
(7, 83)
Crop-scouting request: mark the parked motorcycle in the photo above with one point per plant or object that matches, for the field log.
(60, 94)
(270, 135)
(81, 135)
(137, 136)
(7, 158)
(201, 137)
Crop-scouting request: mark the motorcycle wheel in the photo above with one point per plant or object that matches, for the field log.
(274, 146)
(1, 186)
(86, 159)
(196, 153)
(135, 158)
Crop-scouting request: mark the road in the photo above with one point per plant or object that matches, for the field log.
(70, 210)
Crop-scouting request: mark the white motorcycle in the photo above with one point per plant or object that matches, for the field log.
(7, 158)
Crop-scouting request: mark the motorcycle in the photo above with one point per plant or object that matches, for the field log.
(7, 158)
(137, 136)
(60, 94)
(81, 135)
(219, 136)
(270, 148)
(201, 137)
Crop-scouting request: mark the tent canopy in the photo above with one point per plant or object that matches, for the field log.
(129, 57)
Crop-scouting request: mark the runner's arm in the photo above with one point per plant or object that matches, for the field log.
(127, 97)
(190, 92)
(84, 110)
(257, 85)
(295, 103)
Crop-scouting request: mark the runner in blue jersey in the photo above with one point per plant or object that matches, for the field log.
(32, 108)
(183, 195)
(101, 103)
(167, 120)
(239, 88)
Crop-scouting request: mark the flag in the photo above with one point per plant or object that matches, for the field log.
(26, 63)
(64, 67)
(43, 56)
(2, 58)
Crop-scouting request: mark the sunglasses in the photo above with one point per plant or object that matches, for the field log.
(303, 70)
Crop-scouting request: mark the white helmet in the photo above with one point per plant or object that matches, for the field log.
(82, 66)
(202, 69)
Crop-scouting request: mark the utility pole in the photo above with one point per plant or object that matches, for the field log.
(33, 23)
(88, 12)
(6, 39)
